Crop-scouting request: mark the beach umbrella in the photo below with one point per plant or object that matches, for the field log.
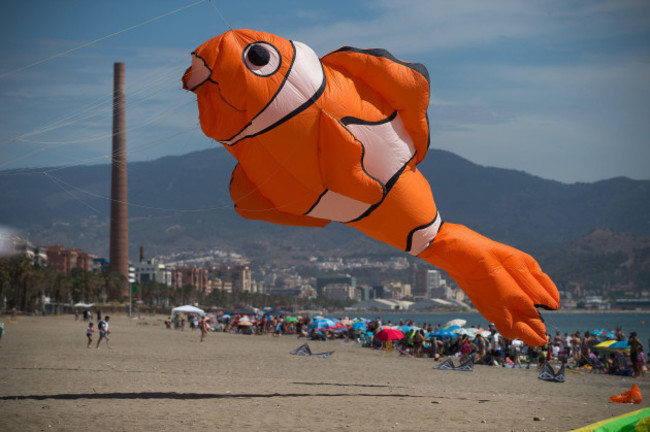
(406, 328)
(346, 321)
(605, 344)
(188, 309)
(244, 319)
(389, 334)
(244, 323)
(453, 327)
(602, 333)
(443, 333)
(462, 331)
(456, 322)
(360, 326)
(322, 323)
(291, 319)
(620, 345)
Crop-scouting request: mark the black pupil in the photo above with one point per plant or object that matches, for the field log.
(258, 55)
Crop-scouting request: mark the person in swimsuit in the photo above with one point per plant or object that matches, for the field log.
(635, 348)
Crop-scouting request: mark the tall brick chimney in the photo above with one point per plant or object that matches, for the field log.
(119, 244)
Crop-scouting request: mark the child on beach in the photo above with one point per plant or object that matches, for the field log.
(89, 333)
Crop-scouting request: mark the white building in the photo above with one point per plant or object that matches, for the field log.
(152, 271)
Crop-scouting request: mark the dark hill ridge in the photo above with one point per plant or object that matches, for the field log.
(182, 203)
(603, 262)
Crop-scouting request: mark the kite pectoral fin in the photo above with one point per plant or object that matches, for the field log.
(506, 285)
(405, 86)
(251, 204)
(341, 162)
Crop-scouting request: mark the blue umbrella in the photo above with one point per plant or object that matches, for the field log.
(443, 333)
(603, 333)
(453, 327)
(406, 328)
(360, 325)
(322, 323)
(619, 345)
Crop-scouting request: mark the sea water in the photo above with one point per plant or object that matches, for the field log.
(564, 322)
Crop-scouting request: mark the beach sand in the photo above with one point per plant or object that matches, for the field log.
(157, 379)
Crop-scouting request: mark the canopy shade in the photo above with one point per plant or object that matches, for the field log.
(187, 309)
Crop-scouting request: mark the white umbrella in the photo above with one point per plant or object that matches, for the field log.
(187, 309)
(458, 321)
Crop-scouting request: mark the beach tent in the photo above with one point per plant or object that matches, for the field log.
(187, 309)
(635, 421)
(547, 373)
(449, 365)
(304, 350)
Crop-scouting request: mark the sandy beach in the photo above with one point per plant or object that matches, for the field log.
(157, 379)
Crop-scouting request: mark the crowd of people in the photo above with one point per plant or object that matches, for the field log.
(485, 346)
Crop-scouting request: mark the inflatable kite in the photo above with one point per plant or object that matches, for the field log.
(633, 395)
(635, 421)
(338, 139)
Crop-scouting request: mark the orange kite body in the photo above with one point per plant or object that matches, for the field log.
(338, 139)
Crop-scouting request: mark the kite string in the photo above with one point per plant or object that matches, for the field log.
(93, 42)
(220, 14)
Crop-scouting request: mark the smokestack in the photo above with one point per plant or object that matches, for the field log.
(141, 253)
(119, 247)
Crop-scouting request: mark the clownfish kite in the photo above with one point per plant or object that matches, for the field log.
(338, 139)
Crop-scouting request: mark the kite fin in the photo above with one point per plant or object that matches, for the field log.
(405, 86)
(341, 163)
(506, 285)
(633, 395)
(251, 204)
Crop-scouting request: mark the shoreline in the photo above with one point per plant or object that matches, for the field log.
(344, 312)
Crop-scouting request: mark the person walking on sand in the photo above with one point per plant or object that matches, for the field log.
(204, 328)
(89, 333)
(103, 331)
(635, 348)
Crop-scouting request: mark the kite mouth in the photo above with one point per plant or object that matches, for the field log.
(197, 74)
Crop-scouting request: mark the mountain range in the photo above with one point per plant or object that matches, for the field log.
(182, 203)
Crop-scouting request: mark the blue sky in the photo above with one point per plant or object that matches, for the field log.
(559, 89)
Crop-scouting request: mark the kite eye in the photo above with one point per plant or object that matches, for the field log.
(262, 58)
(258, 56)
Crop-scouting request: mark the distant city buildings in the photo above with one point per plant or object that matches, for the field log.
(152, 270)
(37, 255)
(218, 270)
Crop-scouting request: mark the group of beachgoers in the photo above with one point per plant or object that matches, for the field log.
(599, 350)
(102, 326)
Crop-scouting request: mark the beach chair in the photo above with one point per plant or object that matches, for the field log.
(593, 364)
(622, 366)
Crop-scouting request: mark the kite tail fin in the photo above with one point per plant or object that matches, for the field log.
(506, 285)
(633, 395)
